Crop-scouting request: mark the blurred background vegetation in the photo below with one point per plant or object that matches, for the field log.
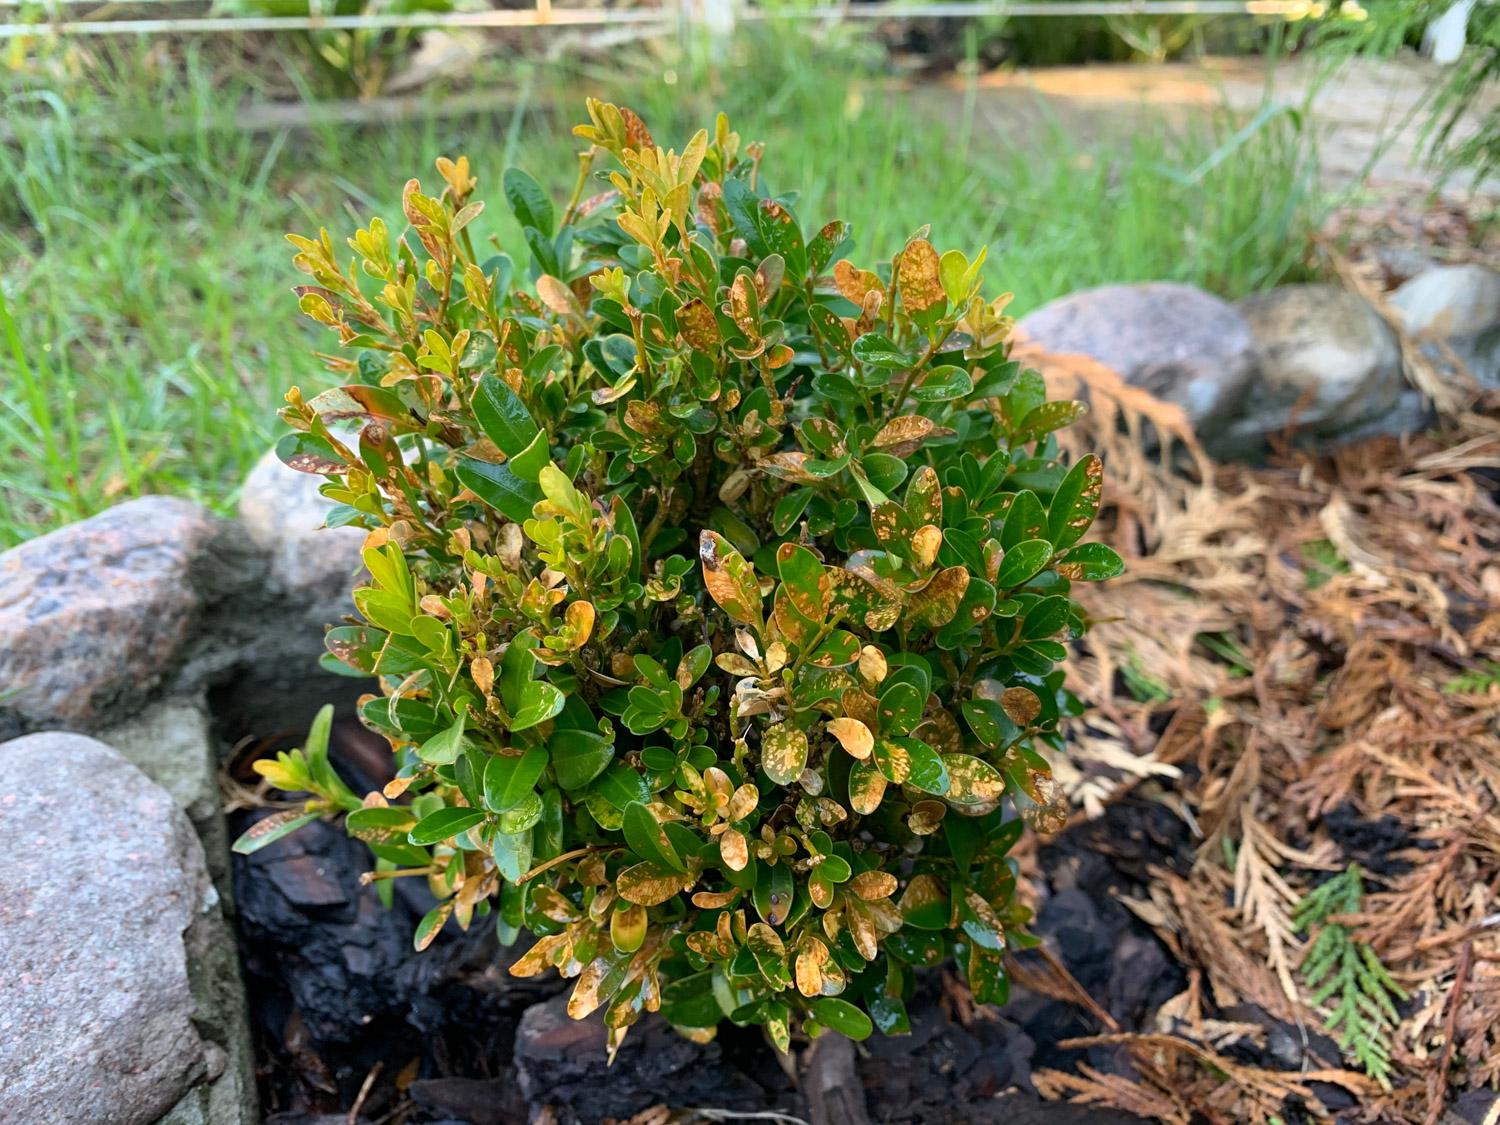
(147, 328)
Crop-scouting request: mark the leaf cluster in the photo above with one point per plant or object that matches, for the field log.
(1339, 968)
(718, 587)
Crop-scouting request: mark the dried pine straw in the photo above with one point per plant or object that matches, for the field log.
(1320, 632)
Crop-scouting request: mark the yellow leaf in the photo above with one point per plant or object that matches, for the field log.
(855, 284)
(925, 544)
(586, 993)
(873, 885)
(853, 736)
(1021, 705)
(553, 905)
(580, 620)
(743, 802)
(698, 326)
(649, 884)
(866, 788)
(935, 604)
(809, 968)
(919, 283)
(926, 817)
(627, 927)
(730, 580)
(734, 849)
(872, 665)
(557, 296)
(484, 674)
(901, 436)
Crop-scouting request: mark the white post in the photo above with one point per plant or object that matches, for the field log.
(1445, 36)
(716, 17)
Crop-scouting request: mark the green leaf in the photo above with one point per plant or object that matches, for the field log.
(529, 463)
(900, 708)
(925, 767)
(802, 577)
(540, 701)
(842, 1016)
(513, 852)
(444, 747)
(874, 350)
(743, 206)
(1091, 562)
(889, 1014)
(509, 778)
(378, 825)
(269, 829)
(620, 785)
(646, 838)
(1022, 563)
(523, 815)
(789, 509)
(783, 753)
(579, 756)
(503, 416)
(773, 892)
(1076, 502)
(1025, 520)
(1049, 416)
(825, 244)
(444, 825)
(942, 384)
(308, 453)
(517, 667)
(528, 201)
(430, 925)
(498, 487)
(689, 1001)
(987, 977)
(390, 612)
(782, 235)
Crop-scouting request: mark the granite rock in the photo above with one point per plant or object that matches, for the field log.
(283, 512)
(1459, 305)
(1330, 367)
(96, 615)
(103, 890)
(1180, 343)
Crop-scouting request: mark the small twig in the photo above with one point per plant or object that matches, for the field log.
(1450, 1029)
(364, 1092)
(757, 1115)
(830, 1083)
(1080, 995)
(553, 862)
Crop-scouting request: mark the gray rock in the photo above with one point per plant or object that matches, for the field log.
(1177, 342)
(171, 743)
(1459, 305)
(1411, 415)
(1329, 365)
(273, 636)
(102, 894)
(95, 615)
(283, 511)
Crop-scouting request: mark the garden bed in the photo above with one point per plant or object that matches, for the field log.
(345, 1013)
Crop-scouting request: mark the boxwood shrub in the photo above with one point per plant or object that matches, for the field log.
(718, 587)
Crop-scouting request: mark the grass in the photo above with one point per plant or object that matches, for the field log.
(147, 331)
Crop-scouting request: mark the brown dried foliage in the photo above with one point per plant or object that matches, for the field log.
(1307, 626)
